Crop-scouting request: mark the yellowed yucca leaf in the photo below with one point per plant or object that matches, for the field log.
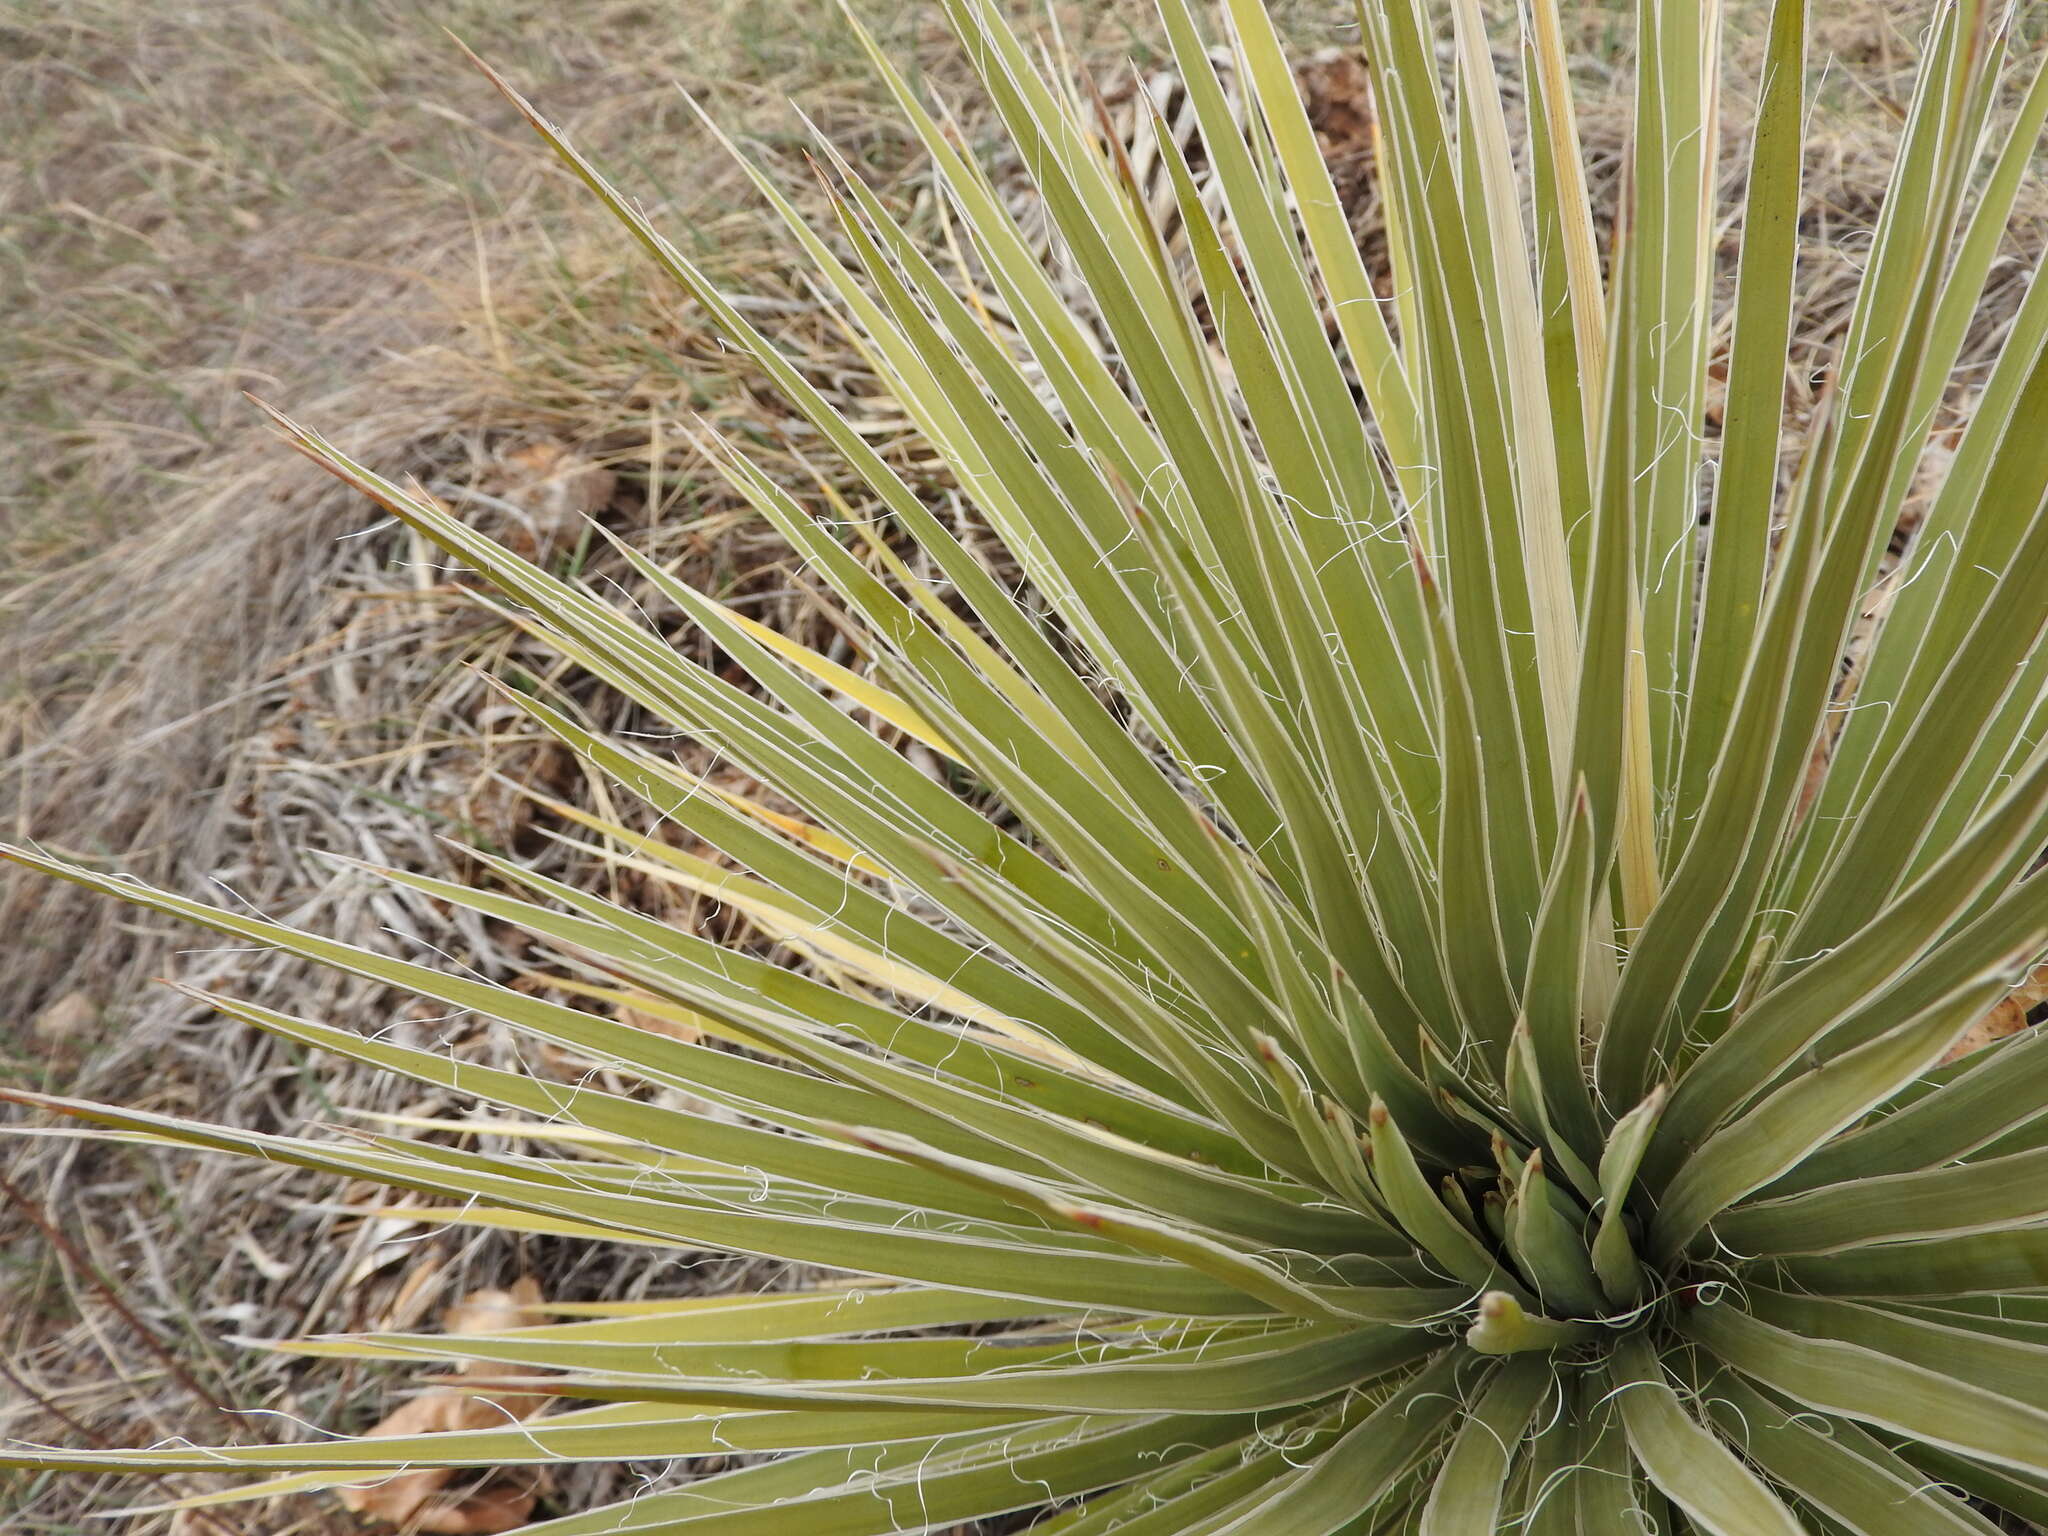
(819, 839)
(808, 1312)
(687, 1021)
(699, 1306)
(843, 680)
(504, 1219)
(796, 828)
(1581, 249)
(827, 945)
(244, 1493)
(1553, 606)
(829, 893)
(1022, 693)
(1059, 732)
(523, 1130)
(878, 970)
(1640, 881)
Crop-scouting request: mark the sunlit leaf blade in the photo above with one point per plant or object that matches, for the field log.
(1699, 1472)
(1844, 1374)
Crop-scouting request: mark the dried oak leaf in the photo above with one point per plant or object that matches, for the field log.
(65, 1024)
(2008, 1017)
(422, 1501)
(543, 491)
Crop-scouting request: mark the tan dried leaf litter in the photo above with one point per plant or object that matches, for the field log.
(66, 1021)
(419, 1500)
(543, 491)
(2008, 1018)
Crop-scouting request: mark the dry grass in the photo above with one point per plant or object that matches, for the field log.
(220, 667)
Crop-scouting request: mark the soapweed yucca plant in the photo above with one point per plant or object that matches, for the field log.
(1449, 1027)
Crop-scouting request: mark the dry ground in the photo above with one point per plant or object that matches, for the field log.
(215, 666)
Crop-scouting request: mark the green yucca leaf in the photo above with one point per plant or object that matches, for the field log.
(1450, 1028)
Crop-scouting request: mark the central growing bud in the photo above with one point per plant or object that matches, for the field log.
(1544, 1239)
